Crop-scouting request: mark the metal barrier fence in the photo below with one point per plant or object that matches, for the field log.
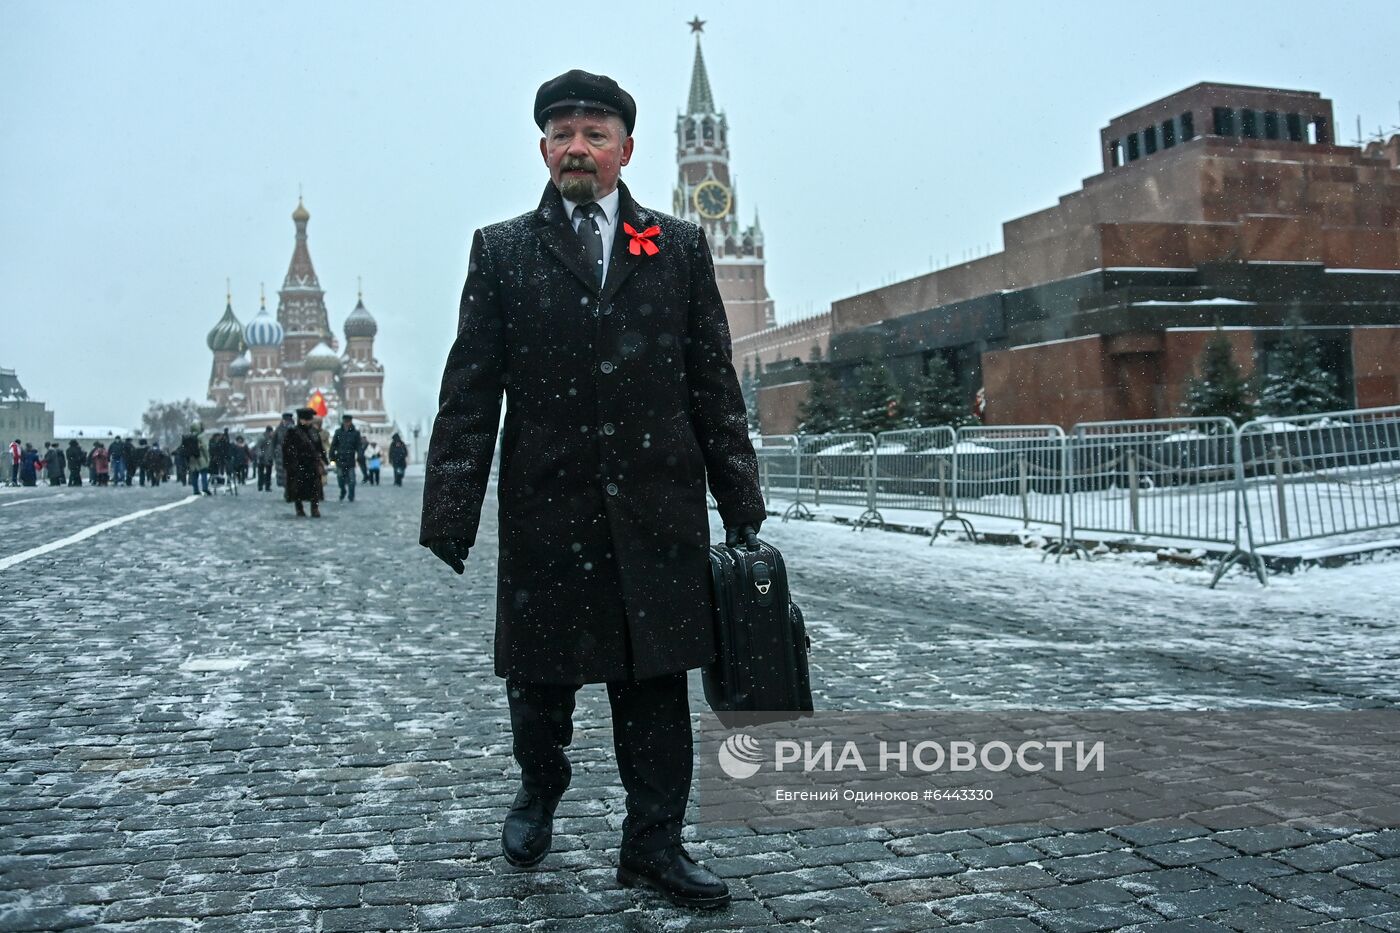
(1321, 476)
(1013, 472)
(915, 468)
(1200, 480)
(780, 471)
(839, 469)
(1174, 478)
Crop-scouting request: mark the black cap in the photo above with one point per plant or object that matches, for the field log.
(581, 90)
(306, 412)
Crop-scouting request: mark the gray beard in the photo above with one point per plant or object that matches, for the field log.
(580, 190)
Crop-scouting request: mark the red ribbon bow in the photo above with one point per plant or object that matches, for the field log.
(642, 241)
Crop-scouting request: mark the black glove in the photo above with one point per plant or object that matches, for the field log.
(747, 533)
(451, 551)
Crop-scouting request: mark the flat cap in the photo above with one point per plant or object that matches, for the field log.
(581, 90)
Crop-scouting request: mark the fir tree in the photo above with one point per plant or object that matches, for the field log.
(936, 399)
(822, 412)
(875, 403)
(1219, 390)
(815, 356)
(1298, 384)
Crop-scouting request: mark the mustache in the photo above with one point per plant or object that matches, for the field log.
(578, 165)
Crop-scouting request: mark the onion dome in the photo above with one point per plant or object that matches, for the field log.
(239, 367)
(301, 215)
(263, 330)
(322, 357)
(360, 323)
(227, 335)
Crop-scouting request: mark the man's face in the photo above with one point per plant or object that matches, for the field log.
(585, 152)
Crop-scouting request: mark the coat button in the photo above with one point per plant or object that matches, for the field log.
(608, 429)
(612, 489)
(607, 309)
(605, 366)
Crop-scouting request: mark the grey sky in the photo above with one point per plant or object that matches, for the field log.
(149, 150)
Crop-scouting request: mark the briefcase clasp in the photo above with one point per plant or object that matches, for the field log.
(762, 582)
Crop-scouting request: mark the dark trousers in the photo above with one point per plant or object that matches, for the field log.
(651, 739)
(264, 477)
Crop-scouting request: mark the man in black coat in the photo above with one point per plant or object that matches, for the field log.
(305, 462)
(601, 322)
(345, 451)
(76, 457)
(398, 458)
(53, 463)
(139, 462)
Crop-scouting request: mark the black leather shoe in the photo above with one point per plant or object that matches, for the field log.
(528, 830)
(676, 875)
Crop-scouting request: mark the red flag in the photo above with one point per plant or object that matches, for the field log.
(317, 403)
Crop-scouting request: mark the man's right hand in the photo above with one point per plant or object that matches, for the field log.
(451, 551)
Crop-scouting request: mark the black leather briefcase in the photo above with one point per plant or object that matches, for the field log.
(760, 669)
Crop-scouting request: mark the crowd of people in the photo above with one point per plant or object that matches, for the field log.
(116, 464)
(228, 458)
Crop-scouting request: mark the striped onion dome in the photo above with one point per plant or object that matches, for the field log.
(263, 330)
(240, 366)
(322, 357)
(227, 335)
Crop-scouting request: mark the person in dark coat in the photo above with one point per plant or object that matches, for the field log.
(117, 450)
(196, 455)
(277, 437)
(157, 464)
(140, 462)
(345, 451)
(29, 466)
(53, 464)
(621, 402)
(304, 459)
(218, 456)
(398, 458)
(265, 455)
(76, 457)
(239, 456)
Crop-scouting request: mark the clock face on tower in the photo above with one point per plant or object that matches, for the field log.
(712, 199)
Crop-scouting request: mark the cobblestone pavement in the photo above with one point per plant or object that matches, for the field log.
(217, 717)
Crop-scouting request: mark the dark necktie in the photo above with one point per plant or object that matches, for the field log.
(587, 216)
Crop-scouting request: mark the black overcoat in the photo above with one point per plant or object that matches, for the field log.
(619, 407)
(302, 456)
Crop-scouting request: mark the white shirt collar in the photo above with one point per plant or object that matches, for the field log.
(609, 204)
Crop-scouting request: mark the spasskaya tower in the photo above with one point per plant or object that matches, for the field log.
(705, 193)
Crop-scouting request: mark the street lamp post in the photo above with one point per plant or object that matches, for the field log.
(417, 427)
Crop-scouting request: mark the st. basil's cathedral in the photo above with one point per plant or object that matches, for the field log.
(276, 364)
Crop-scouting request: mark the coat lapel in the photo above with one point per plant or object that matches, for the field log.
(557, 235)
(622, 263)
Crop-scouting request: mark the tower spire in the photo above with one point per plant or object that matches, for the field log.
(701, 98)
